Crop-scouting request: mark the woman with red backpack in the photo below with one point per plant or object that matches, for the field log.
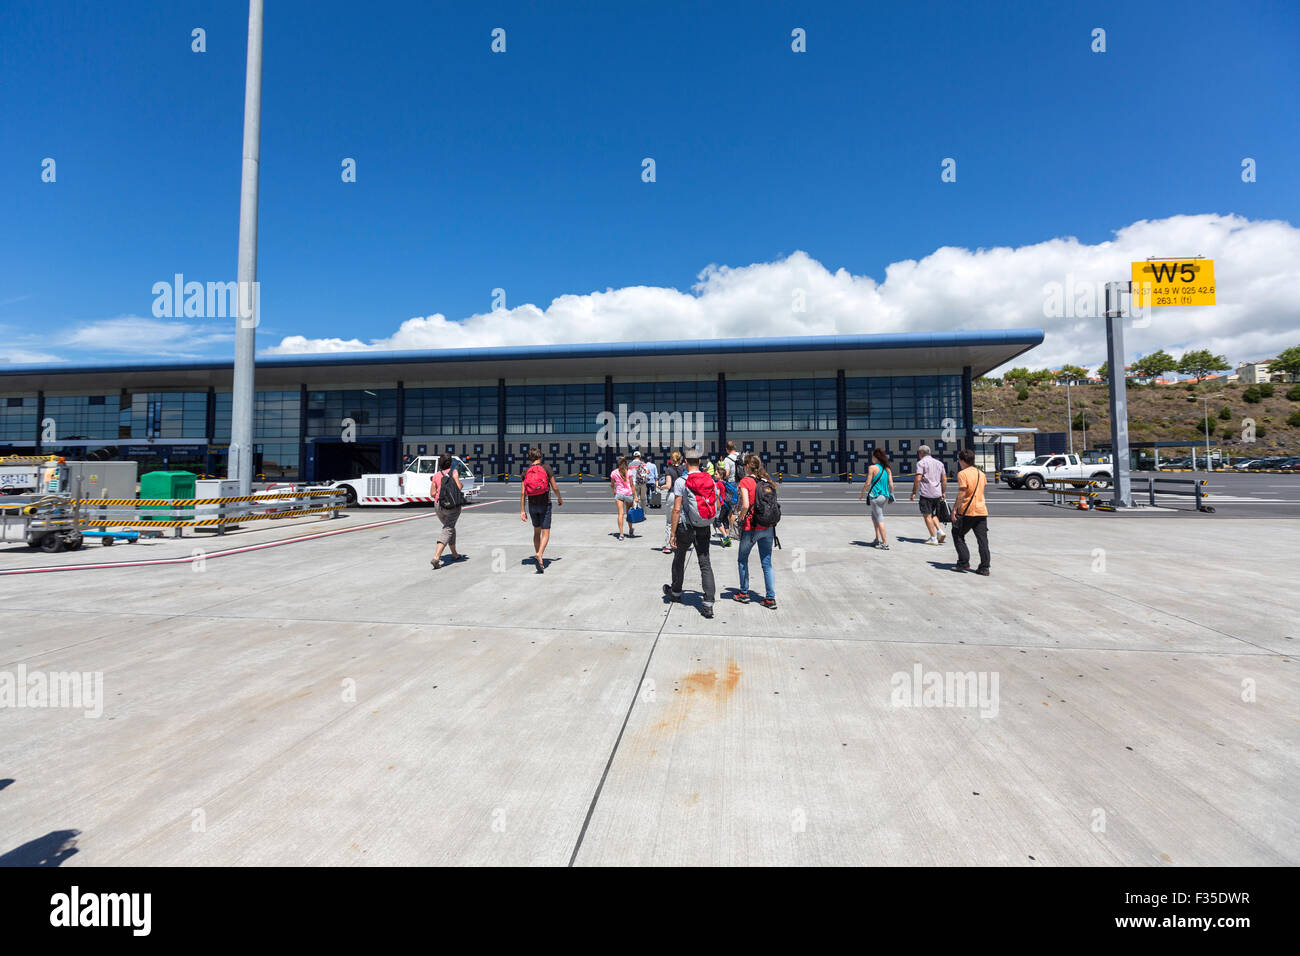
(535, 502)
(758, 515)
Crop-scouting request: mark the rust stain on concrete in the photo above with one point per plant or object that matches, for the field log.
(697, 686)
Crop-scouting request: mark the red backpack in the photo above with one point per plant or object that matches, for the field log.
(536, 481)
(701, 504)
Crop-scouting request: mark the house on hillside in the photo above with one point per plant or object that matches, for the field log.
(1257, 373)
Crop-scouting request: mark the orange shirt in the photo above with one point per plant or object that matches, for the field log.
(970, 493)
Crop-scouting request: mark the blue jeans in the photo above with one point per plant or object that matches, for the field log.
(764, 541)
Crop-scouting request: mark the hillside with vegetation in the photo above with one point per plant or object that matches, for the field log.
(1174, 412)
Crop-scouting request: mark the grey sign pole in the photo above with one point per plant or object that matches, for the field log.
(239, 465)
(1122, 497)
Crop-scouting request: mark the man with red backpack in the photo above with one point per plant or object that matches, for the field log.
(535, 502)
(695, 507)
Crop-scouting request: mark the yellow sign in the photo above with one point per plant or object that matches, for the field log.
(1173, 282)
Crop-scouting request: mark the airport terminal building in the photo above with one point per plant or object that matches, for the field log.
(812, 407)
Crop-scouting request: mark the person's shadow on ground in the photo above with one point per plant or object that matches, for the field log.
(529, 562)
(943, 565)
(49, 850)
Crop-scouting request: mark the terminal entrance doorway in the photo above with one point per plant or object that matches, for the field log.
(336, 460)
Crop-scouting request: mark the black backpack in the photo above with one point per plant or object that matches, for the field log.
(767, 511)
(450, 497)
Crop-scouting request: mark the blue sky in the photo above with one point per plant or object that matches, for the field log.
(522, 170)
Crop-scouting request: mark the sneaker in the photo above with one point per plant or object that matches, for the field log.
(942, 537)
(666, 550)
(706, 610)
(769, 603)
(436, 564)
(668, 591)
(983, 571)
(961, 567)
(884, 546)
(741, 597)
(933, 542)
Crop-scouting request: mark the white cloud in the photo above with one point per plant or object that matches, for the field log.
(148, 337)
(16, 356)
(1257, 266)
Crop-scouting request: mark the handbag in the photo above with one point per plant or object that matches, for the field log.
(635, 515)
(944, 515)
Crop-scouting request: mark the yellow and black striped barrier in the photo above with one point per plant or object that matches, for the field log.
(187, 502)
(204, 523)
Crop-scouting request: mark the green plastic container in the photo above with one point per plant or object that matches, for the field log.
(166, 484)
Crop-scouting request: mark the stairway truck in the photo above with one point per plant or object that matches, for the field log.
(414, 485)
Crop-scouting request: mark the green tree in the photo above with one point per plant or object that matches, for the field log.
(1201, 363)
(1072, 373)
(1103, 371)
(1287, 361)
(1293, 393)
(1251, 395)
(1294, 419)
(1266, 390)
(1023, 394)
(1017, 376)
(1225, 413)
(1154, 364)
(1041, 377)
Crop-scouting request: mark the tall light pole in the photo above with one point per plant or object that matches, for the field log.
(239, 459)
(1069, 415)
(1208, 465)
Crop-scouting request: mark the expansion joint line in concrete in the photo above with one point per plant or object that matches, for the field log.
(636, 693)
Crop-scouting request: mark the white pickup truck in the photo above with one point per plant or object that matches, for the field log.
(415, 484)
(1036, 473)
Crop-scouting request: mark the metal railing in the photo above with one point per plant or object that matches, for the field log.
(1080, 493)
(1198, 489)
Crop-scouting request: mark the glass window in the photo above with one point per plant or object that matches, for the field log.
(18, 419)
(696, 399)
(919, 403)
(77, 418)
(451, 411)
(803, 404)
(554, 409)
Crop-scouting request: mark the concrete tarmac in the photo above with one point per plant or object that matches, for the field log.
(334, 701)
